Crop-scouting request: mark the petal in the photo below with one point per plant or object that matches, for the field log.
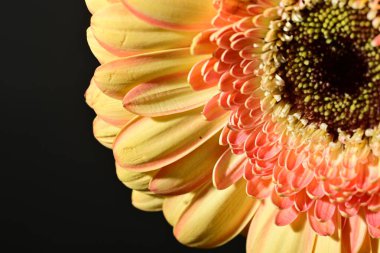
(376, 41)
(286, 216)
(375, 245)
(195, 77)
(104, 132)
(102, 54)
(164, 96)
(201, 43)
(135, 180)
(123, 32)
(327, 244)
(355, 237)
(108, 109)
(266, 237)
(228, 170)
(322, 228)
(374, 232)
(96, 5)
(174, 14)
(189, 172)
(146, 202)
(259, 187)
(212, 109)
(151, 143)
(373, 218)
(324, 210)
(217, 215)
(118, 77)
(173, 207)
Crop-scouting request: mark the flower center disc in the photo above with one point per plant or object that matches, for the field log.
(332, 72)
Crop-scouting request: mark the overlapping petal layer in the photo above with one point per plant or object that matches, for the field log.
(176, 75)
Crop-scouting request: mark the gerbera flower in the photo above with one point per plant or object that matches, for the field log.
(256, 117)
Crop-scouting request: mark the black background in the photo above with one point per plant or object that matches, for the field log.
(59, 190)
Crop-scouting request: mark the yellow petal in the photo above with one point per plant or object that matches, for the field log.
(375, 247)
(118, 77)
(150, 143)
(109, 109)
(96, 5)
(135, 180)
(104, 132)
(116, 27)
(173, 207)
(174, 14)
(265, 237)
(327, 244)
(215, 216)
(100, 52)
(146, 202)
(190, 172)
(164, 96)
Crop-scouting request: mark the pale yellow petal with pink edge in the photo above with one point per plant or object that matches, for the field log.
(107, 108)
(119, 29)
(96, 5)
(118, 77)
(174, 206)
(174, 14)
(190, 172)
(150, 143)
(104, 132)
(135, 180)
(215, 216)
(265, 236)
(164, 96)
(99, 52)
(146, 202)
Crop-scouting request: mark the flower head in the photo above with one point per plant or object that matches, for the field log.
(234, 114)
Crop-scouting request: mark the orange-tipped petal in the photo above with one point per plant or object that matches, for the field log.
(376, 41)
(195, 77)
(228, 170)
(355, 237)
(322, 228)
(201, 43)
(212, 110)
(324, 210)
(285, 217)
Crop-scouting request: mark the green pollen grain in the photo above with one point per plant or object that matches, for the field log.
(332, 72)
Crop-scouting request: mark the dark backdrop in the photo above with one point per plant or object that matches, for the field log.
(58, 189)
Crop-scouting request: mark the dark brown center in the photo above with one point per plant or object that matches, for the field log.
(332, 72)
